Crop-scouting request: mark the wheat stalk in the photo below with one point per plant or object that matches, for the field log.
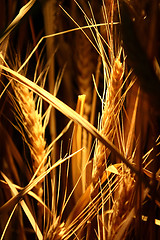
(77, 143)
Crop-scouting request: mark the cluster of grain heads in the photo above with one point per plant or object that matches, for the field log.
(70, 113)
(97, 197)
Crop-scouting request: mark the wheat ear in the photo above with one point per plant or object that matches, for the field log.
(32, 122)
(109, 118)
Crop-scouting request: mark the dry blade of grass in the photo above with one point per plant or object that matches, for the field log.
(16, 20)
(25, 208)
